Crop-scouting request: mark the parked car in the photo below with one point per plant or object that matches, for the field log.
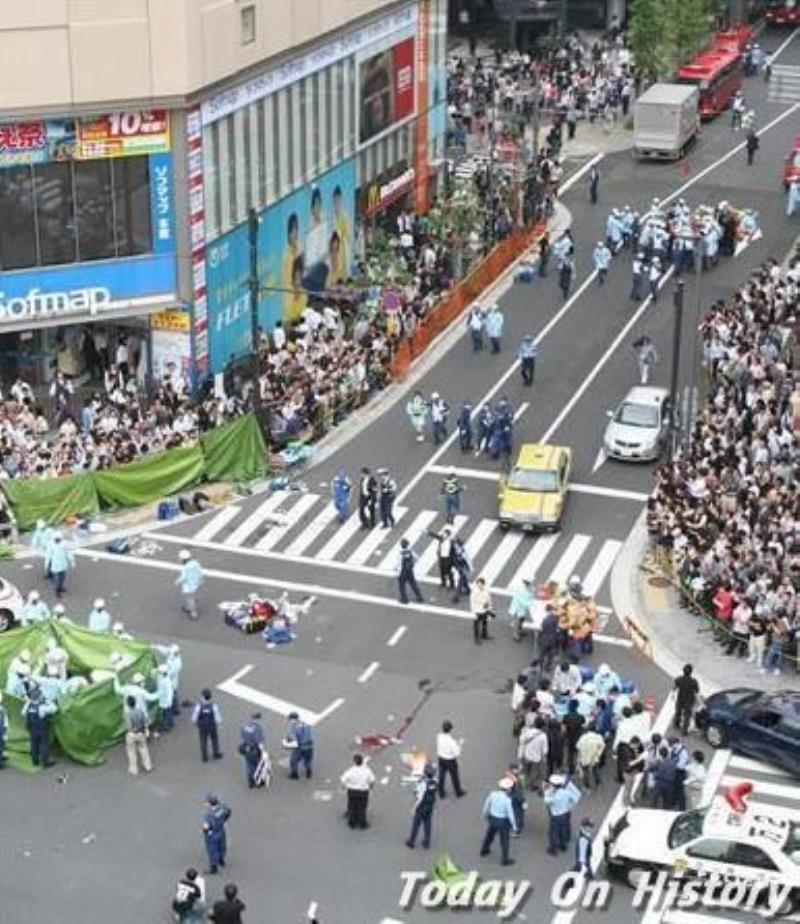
(638, 430)
(764, 726)
(534, 493)
(11, 603)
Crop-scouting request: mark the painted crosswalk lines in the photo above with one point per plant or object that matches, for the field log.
(296, 513)
(256, 518)
(374, 541)
(500, 557)
(529, 568)
(414, 532)
(784, 85)
(312, 532)
(600, 567)
(218, 522)
(570, 558)
(339, 539)
(428, 558)
(478, 538)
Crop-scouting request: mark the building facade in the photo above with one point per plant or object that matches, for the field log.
(129, 168)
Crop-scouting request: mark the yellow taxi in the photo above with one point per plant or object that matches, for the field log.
(533, 494)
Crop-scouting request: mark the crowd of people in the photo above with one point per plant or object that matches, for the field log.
(723, 517)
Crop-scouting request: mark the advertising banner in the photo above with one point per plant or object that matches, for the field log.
(386, 89)
(161, 203)
(305, 245)
(422, 199)
(36, 142)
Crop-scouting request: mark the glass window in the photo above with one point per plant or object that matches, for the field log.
(18, 226)
(94, 207)
(247, 19)
(211, 179)
(232, 207)
(686, 827)
(749, 855)
(533, 479)
(55, 213)
(710, 849)
(132, 205)
(637, 415)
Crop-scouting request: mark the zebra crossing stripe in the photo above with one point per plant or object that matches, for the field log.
(500, 557)
(428, 558)
(339, 539)
(478, 538)
(418, 526)
(256, 518)
(275, 533)
(533, 560)
(569, 560)
(596, 574)
(374, 540)
(218, 522)
(312, 531)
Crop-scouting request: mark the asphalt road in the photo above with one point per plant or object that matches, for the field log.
(95, 845)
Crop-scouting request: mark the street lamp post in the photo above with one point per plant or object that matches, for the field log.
(676, 362)
(252, 280)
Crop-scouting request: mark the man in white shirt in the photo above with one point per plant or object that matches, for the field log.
(567, 680)
(532, 751)
(448, 750)
(357, 780)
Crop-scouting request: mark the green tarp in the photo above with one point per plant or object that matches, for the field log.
(88, 722)
(51, 499)
(142, 482)
(235, 451)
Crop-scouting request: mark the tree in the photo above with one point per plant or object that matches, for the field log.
(647, 36)
(688, 28)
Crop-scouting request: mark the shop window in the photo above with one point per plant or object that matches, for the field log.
(247, 20)
(132, 206)
(55, 213)
(18, 226)
(94, 209)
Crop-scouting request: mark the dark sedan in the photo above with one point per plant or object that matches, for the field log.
(764, 726)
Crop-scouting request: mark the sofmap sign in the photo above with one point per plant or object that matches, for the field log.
(36, 304)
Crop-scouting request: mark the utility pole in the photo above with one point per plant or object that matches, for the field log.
(674, 422)
(252, 281)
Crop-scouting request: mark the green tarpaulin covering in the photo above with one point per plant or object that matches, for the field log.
(151, 479)
(90, 721)
(51, 499)
(235, 452)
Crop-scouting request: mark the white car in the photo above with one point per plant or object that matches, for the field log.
(639, 428)
(752, 846)
(11, 603)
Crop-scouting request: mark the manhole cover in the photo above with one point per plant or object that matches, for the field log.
(659, 581)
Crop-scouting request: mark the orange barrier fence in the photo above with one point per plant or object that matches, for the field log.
(496, 262)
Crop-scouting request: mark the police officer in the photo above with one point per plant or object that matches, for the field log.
(35, 609)
(58, 560)
(461, 569)
(565, 276)
(367, 498)
(560, 796)
(451, 491)
(638, 277)
(464, 424)
(99, 618)
(215, 817)
(424, 802)
(583, 849)
(405, 574)
(601, 257)
(190, 579)
(35, 711)
(594, 183)
(505, 434)
(527, 359)
(251, 746)
(300, 742)
(3, 732)
(165, 692)
(388, 492)
(498, 810)
(494, 327)
(207, 717)
(340, 491)
(439, 412)
(485, 425)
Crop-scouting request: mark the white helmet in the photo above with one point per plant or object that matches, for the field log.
(575, 581)
(118, 628)
(33, 596)
(99, 603)
(58, 609)
(184, 555)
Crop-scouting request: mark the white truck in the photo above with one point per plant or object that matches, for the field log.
(665, 119)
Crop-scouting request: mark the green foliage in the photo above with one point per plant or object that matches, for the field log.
(663, 34)
(646, 34)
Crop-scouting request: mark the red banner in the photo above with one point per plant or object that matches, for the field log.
(119, 134)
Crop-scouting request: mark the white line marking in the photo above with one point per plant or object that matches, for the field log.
(376, 538)
(675, 916)
(716, 769)
(521, 410)
(500, 383)
(601, 566)
(419, 525)
(600, 458)
(762, 788)
(234, 687)
(478, 539)
(782, 47)
(579, 173)
(482, 473)
(218, 522)
(369, 672)
(312, 911)
(533, 560)
(398, 633)
(340, 538)
(569, 560)
(746, 765)
(313, 530)
(275, 533)
(578, 394)
(500, 557)
(429, 557)
(256, 518)
(353, 596)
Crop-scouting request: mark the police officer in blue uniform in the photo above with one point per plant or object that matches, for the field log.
(35, 711)
(406, 580)
(583, 849)
(424, 802)
(464, 424)
(215, 817)
(387, 488)
(250, 746)
(207, 718)
(301, 743)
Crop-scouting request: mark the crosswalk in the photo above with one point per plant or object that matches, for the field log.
(784, 85)
(773, 790)
(302, 526)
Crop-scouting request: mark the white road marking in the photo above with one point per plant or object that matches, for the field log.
(318, 590)
(477, 540)
(364, 677)
(218, 522)
(760, 787)
(312, 911)
(521, 410)
(783, 45)
(339, 539)
(374, 540)
(578, 394)
(572, 180)
(676, 916)
(500, 557)
(500, 383)
(569, 560)
(256, 518)
(484, 474)
(418, 527)
(234, 687)
(274, 534)
(600, 458)
(745, 764)
(398, 633)
(429, 557)
(312, 531)
(601, 566)
(533, 560)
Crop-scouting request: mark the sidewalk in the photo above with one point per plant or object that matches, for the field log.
(594, 139)
(676, 636)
